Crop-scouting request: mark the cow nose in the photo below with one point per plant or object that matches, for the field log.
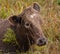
(41, 41)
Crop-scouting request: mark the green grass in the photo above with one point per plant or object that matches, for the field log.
(50, 13)
(9, 36)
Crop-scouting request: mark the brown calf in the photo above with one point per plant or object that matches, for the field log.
(26, 27)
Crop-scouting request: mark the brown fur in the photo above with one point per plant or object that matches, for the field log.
(26, 27)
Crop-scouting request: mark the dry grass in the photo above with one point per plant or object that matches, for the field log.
(50, 12)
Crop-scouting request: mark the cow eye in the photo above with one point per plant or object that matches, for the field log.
(27, 24)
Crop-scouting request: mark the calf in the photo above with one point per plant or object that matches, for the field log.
(26, 26)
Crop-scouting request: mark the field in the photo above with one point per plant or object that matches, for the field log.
(50, 13)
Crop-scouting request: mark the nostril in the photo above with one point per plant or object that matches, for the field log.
(41, 42)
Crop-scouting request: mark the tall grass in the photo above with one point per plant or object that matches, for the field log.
(50, 13)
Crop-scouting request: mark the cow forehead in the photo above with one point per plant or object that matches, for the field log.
(33, 18)
(32, 15)
(29, 13)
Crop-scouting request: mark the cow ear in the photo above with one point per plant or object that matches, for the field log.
(13, 20)
(36, 6)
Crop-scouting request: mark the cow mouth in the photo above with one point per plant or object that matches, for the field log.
(41, 42)
(38, 38)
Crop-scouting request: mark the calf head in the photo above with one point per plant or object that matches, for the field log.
(27, 27)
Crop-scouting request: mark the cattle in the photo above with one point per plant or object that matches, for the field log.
(27, 28)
